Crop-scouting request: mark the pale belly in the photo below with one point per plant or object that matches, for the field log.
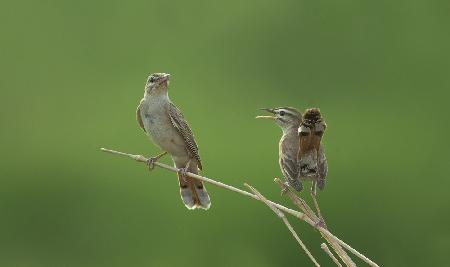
(162, 133)
(308, 165)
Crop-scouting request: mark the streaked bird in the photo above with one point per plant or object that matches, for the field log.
(163, 122)
(301, 153)
(289, 120)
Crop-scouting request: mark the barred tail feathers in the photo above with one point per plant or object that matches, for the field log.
(193, 192)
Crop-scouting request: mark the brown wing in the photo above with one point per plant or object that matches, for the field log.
(138, 116)
(182, 126)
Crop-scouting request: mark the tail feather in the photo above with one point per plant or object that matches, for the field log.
(193, 192)
(203, 198)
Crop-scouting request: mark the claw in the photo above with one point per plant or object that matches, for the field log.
(183, 173)
(151, 161)
(285, 188)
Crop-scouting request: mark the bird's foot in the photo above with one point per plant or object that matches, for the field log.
(183, 173)
(285, 188)
(151, 161)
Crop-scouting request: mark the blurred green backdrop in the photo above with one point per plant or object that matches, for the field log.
(73, 72)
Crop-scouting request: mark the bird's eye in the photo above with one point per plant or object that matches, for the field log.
(282, 113)
(152, 79)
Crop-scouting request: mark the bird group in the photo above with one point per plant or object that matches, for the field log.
(301, 153)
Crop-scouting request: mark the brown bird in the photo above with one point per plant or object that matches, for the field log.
(301, 153)
(163, 122)
(311, 156)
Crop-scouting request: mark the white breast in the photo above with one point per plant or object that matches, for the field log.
(158, 126)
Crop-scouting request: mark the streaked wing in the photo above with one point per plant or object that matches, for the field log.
(323, 166)
(138, 116)
(183, 128)
(289, 169)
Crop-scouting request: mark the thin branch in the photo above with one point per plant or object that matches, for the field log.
(329, 253)
(304, 206)
(143, 159)
(286, 222)
(354, 251)
(299, 202)
(316, 204)
(300, 215)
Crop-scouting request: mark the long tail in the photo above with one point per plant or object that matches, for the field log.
(193, 192)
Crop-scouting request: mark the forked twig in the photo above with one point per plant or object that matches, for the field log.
(323, 231)
(300, 215)
(286, 222)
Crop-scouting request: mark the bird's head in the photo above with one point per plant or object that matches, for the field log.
(285, 117)
(157, 82)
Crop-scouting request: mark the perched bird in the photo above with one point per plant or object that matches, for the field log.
(163, 122)
(311, 156)
(289, 120)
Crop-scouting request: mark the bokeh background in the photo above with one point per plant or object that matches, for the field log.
(73, 72)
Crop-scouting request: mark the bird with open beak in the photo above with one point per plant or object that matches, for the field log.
(301, 153)
(289, 120)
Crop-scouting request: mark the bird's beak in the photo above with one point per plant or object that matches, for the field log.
(165, 77)
(267, 117)
(164, 80)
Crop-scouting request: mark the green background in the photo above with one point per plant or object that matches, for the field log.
(73, 72)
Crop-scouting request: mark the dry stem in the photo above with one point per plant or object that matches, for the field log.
(286, 222)
(329, 253)
(300, 215)
(304, 206)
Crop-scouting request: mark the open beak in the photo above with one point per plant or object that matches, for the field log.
(164, 79)
(267, 117)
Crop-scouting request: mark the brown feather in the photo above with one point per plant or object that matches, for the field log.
(138, 116)
(311, 141)
(183, 128)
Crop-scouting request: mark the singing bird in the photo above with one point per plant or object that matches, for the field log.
(164, 123)
(289, 120)
(301, 153)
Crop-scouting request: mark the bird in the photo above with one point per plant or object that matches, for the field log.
(311, 155)
(312, 162)
(167, 128)
(289, 120)
(301, 153)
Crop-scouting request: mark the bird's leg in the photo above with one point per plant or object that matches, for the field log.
(183, 171)
(151, 161)
(285, 189)
(321, 221)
